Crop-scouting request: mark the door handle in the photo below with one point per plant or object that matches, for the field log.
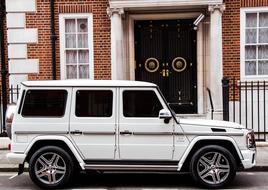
(163, 72)
(126, 132)
(76, 132)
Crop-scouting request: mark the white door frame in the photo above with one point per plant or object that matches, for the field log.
(130, 44)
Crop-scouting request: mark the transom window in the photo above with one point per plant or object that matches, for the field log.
(76, 46)
(255, 43)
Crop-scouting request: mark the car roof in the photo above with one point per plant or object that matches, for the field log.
(87, 83)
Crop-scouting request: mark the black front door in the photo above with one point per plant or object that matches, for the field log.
(165, 54)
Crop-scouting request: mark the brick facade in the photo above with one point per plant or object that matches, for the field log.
(231, 34)
(102, 35)
(42, 50)
(6, 58)
(254, 3)
(231, 38)
(102, 41)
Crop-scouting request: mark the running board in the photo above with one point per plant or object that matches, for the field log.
(134, 167)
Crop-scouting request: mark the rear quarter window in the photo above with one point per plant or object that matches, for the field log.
(44, 103)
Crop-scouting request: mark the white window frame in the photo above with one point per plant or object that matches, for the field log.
(62, 18)
(243, 12)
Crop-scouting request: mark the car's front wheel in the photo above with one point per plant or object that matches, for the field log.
(213, 166)
(51, 167)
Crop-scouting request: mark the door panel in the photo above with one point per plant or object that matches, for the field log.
(93, 126)
(173, 44)
(144, 137)
(182, 66)
(149, 55)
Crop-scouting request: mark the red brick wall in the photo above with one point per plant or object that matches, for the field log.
(231, 34)
(231, 38)
(6, 59)
(42, 50)
(254, 3)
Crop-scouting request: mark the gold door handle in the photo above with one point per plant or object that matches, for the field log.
(163, 72)
(167, 73)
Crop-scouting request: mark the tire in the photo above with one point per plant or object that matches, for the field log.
(213, 166)
(51, 167)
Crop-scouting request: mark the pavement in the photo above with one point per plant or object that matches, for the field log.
(5, 166)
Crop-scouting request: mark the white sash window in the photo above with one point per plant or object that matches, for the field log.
(254, 43)
(76, 46)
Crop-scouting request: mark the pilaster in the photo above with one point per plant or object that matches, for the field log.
(216, 71)
(117, 62)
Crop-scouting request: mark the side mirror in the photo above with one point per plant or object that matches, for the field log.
(165, 114)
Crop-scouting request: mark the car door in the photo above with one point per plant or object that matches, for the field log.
(142, 135)
(92, 122)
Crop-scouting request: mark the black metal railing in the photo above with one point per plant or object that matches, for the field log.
(13, 94)
(211, 103)
(246, 103)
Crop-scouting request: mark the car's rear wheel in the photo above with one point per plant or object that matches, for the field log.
(51, 167)
(213, 166)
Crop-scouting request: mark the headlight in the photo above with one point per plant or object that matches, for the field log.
(251, 144)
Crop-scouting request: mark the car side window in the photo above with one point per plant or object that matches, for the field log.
(94, 103)
(44, 103)
(143, 103)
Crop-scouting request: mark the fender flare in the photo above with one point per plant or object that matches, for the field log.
(200, 138)
(64, 139)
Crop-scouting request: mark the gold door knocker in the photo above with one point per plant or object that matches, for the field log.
(179, 64)
(151, 65)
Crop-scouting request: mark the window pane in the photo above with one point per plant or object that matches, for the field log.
(263, 35)
(263, 52)
(263, 19)
(250, 52)
(71, 56)
(71, 71)
(141, 104)
(251, 20)
(251, 35)
(250, 68)
(69, 25)
(82, 41)
(82, 25)
(44, 103)
(263, 68)
(95, 103)
(83, 56)
(70, 41)
(83, 71)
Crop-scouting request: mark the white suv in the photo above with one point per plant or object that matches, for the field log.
(60, 127)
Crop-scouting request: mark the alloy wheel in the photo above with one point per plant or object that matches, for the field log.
(213, 168)
(50, 168)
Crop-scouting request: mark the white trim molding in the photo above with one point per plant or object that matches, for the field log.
(159, 3)
(17, 51)
(220, 7)
(20, 5)
(111, 11)
(62, 18)
(216, 59)
(23, 66)
(117, 37)
(16, 20)
(18, 36)
(243, 12)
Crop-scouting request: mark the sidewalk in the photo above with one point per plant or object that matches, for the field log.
(5, 166)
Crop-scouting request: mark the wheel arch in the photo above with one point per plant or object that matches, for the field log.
(59, 141)
(197, 143)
